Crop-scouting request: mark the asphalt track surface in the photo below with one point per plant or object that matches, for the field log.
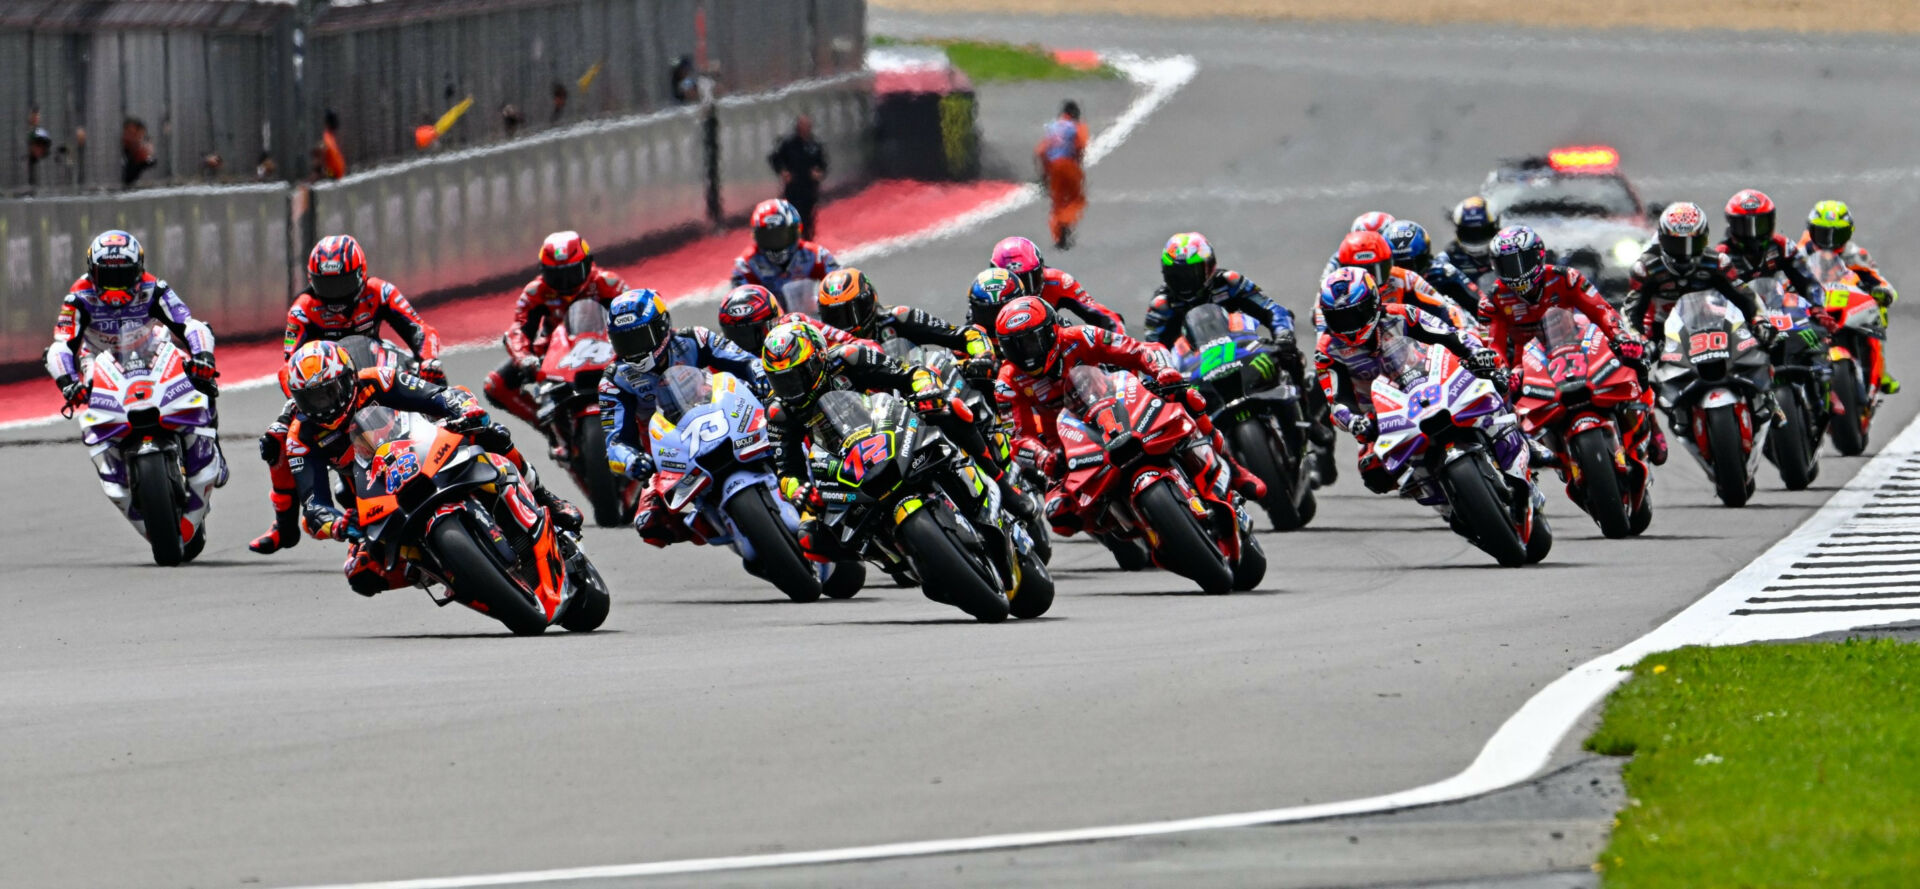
(250, 721)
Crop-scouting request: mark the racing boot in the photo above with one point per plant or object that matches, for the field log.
(1889, 385)
(502, 394)
(565, 514)
(285, 534)
(1541, 456)
(1656, 443)
(1012, 499)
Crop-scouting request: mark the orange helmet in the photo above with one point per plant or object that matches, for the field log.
(1369, 252)
(848, 301)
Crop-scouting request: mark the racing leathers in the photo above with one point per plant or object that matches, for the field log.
(1785, 258)
(310, 320)
(91, 322)
(1653, 288)
(1234, 292)
(1063, 291)
(312, 448)
(805, 261)
(1034, 401)
(1404, 288)
(1454, 284)
(539, 310)
(1478, 267)
(628, 398)
(1347, 372)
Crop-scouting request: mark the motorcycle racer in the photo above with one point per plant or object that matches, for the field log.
(1037, 354)
(1060, 290)
(327, 391)
(1757, 251)
(1190, 277)
(1679, 263)
(750, 311)
(1474, 225)
(779, 256)
(567, 273)
(1355, 321)
(801, 367)
(646, 344)
(1413, 251)
(1528, 287)
(848, 300)
(990, 290)
(1830, 231)
(118, 298)
(1370, 253)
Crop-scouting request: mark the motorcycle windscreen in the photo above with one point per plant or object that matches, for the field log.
(1404, 361)
(1703, 310)
(1559, 328)
(899, 350)
(1767, 291)
(683, 389)
(1206, 324)
(1829, 268)
(375, 426)
(586, 316)
(139, 350)
(846, 415)
(364, 350)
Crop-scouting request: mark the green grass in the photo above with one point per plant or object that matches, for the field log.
(1768, 765)
(985, 62)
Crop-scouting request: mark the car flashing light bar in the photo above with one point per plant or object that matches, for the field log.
(1584, 159)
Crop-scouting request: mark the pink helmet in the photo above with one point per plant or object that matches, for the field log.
(1022, 260)
(1371, 222)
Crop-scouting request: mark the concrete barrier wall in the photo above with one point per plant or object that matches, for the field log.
(750, 128)
(224, 249)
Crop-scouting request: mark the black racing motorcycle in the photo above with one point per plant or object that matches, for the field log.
(1256, 406)
(1715, 383)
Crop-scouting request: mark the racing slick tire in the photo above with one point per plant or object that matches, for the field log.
(1252, 567)
(1264, 453)
(965, 582)
(603, 487)
(1034, 595)
(474, 574)
(1793, 448)
(153, 489)
(1185, 549)
(591, 599)
(1730, 481)
(777, 553)
(1592, 452)
(1479, 508)
(1848, 428)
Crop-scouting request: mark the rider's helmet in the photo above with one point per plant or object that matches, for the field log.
(1411, 248)
(641, 331)
(565, 262)
(337, 270)
(847, 301)
(1371, 221)
(990, 289)
(1683, 236)
(1022, 259)
(1368, 252)
(1830, 225)
(115, 265)
(795, 361)
(1474, 225)
(321, 377)
(1519, 258)
(747, 314)
(1750, 221)
(776, 229)
(1349, 305)
(1186, 266)
(1029, 334)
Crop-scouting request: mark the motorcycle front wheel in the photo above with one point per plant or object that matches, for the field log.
(1264, 453)
(1793, 448)
(1593, 452)
(153, 487)
(939, 560)
(1480, 508)
(474, 575)
(777, 553)
(1729, 455)
(1184, 546)
(603, 487)
(1849, 427)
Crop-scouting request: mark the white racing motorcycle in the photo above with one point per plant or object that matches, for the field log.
(150, 434)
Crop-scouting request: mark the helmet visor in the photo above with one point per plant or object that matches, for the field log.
(1475, 235)
(1032, 281)
(1520, 265)
(775, 238)
(1684, 248)
(750, 336)
(1029, 349)
(983, 314)
(796, 383)
(1184, 279)
(118, 276)
(335, 289)
(325, 401)
(1381, 271)
(640, 342)
(565, 278)
(1829, 237)
(1351, 321)
(851, 315)
(1748, 229)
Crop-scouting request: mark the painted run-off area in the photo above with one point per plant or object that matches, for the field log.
(1755, 15)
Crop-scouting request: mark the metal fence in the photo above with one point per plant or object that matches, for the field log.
(225, 249)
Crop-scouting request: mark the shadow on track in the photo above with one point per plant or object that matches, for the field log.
(1193, 593)
(554, 633)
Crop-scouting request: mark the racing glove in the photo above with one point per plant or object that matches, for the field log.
(1885, 295)
(326, 523)
(801, 494)
(200, 367)
(1765, 332)
(529, 367)
(1485, 364)
(1364, 428)
(272, 444)
(640, 468)
(432, 371)
(72, 390)
(1167, 376)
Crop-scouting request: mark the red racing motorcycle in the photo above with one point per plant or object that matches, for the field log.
(577, 352)
(1126, 479)
(1577, 397)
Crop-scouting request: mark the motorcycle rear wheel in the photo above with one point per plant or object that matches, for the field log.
(1729, 457)
(1794, 451)
(1480, 507)
(777, 552)
(1252, 567)
(1849, 427)
(937, 557)
(603, 487)
(1593, 451)
(474, 575)
(1185, 549)
(153, 489)
(1035, 593)
(591, 600)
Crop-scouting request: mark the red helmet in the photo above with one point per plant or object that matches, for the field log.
(565, 262)
(337, 270)
(746, 315)
(1369, 252)
(1029, 334)
(1750, 218)
(1371, 222)
(776, 228)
